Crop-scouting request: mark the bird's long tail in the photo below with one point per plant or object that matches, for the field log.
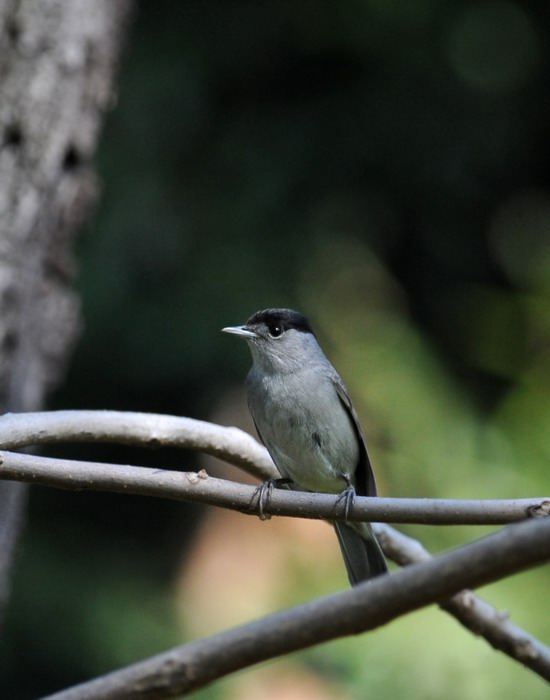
(362, 553)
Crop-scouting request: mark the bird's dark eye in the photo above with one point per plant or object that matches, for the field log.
(275, 331)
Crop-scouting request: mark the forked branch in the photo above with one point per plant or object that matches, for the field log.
(196, 664)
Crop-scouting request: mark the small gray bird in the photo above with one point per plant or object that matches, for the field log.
(304, 417)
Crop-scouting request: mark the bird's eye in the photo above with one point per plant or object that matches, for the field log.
(275, 331)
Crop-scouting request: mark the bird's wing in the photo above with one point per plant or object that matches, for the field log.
(258, 431)
(365, 484)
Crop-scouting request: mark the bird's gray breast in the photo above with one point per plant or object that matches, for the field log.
(306, 429)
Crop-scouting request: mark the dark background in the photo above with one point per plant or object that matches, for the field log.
(382, 166)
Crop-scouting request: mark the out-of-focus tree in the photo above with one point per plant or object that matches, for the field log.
(57, 68)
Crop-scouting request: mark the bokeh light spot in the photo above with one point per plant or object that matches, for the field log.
(520, 239)
(493, 46)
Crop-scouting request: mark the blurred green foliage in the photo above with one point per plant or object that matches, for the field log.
(380, 165)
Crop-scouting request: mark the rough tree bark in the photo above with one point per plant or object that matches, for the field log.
(58, 62)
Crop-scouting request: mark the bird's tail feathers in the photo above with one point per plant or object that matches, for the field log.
(362, 553)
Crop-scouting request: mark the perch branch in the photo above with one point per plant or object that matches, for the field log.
(192, 486)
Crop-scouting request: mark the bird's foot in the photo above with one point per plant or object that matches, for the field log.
(347, 497)
(262, 495)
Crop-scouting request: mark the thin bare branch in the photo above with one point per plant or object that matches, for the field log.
(192, 486)
(360, 609)
(470, 610)
(146, 429)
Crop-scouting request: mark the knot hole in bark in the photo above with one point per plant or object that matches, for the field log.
(13, 31)
(13, 136)
(71, 159)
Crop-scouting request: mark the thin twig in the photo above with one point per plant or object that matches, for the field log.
(360, 609)
(192, 486)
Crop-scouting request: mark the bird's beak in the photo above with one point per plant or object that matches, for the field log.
(240, 330)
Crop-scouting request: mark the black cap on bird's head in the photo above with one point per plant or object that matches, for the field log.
(271, 323)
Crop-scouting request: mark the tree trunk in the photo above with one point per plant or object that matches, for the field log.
(58, 61)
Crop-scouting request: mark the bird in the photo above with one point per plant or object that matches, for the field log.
(305, 418)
